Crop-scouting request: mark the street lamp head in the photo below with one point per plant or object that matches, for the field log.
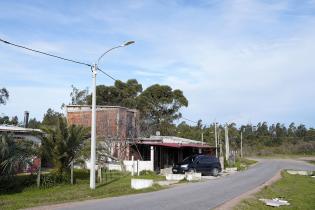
(128, 43)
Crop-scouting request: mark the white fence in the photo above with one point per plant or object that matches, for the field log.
(132, 166)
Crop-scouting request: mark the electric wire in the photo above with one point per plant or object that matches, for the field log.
(44, 53)
(74, 61)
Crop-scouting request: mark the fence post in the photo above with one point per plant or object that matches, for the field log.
(99, 173)
(133, 165)
(106, 176)
(138, 172)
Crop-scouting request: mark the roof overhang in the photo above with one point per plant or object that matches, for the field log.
(176, 145)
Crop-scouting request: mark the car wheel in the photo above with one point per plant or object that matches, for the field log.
(215, 172)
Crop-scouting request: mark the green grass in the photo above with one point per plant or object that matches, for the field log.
(32, 196)
(284, 156)
(243, 163)
(311, 161)
(298, 190)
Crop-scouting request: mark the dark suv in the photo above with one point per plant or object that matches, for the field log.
(204, 164)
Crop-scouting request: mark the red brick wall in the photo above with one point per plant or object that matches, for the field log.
(114, 122)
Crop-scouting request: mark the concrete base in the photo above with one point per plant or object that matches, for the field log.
(175, 177)
(193, 176)
(166, 183)
(303, 173)
(165, 171)
(230, 170)
(141, 183)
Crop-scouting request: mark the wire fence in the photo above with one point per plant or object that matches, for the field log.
(107, 176)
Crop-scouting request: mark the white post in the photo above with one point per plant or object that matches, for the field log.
(241, 144)
(152, 157)
(93, 129)
(138, 171)
(202, 137)
(216, 139)
(227, 145)
(133, 165)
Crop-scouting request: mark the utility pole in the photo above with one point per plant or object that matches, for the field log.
(220, 142)
(216, 139)
(202, 137)
(227, 143)
(93, 128)
(241, 144)
(94, 71)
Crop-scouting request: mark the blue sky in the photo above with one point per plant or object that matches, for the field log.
(236, 61)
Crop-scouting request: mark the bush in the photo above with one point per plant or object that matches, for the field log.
(16, 183)
(147, 173)
(53, 179)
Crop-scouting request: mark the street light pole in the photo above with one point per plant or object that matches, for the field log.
(93, 122)
(93, 128)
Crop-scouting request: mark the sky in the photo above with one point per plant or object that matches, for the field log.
(236, 61)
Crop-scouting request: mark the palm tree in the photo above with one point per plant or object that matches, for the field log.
(14, 154)
(63, 143)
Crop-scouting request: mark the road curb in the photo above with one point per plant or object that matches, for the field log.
(233, 202)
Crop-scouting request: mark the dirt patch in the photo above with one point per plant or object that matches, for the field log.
(232, 203)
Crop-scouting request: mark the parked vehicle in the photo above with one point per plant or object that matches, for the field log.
(205, 164)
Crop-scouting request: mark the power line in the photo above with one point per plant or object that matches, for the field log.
(44, 53)
(73, 61)
(189, 120)
(106, 74)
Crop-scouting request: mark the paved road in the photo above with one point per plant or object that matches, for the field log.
(201, 195)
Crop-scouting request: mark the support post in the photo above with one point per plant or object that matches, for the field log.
(152, 157)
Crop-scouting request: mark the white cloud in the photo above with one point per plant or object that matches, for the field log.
(235, 60)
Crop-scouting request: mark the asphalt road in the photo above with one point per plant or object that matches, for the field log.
(201, 195)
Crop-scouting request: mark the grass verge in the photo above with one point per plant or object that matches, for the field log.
(32, 196)
(243, 163)
(298, 190)
(311, 161)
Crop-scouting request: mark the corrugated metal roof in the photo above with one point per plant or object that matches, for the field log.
(14, 128)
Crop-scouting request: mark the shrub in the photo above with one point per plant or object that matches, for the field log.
(16, 183)
(147, 173)
(53, 179)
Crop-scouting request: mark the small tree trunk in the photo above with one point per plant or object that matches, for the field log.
(71, 172)
(122, 166)
(39, 173)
